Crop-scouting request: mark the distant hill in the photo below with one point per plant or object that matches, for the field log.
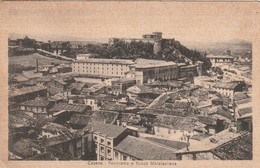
(237, 46)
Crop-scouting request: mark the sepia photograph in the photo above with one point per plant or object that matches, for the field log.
(116, 82)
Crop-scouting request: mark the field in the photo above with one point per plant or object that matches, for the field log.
(30, 60)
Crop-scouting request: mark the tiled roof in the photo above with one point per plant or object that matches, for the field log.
(243, 101)
(207, 120)
(177, 122)
(37, 102)
(130, 118)
(244, 111)
(24, 147)
(229, 85)
(145, 149)
(42, 120)
(25, 90)
(66, 136)
(54, 127)
(237, 149)
(20, 119)
(142, 89)
(181, 104)
(200, 137)
(110, 106)
(160, 111)
(240, 96)
(146, 63)
(107, 129)
(107, 61)
(80, 119)
(170, 143)
(108, 117)
(68, 107)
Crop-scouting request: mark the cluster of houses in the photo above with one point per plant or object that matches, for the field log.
(164, 112)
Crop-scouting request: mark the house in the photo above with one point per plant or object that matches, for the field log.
(53, 129)
(181, 106)
(106, 137)
(176, 127)
(120, 86)
(204, 81)
(216, 146)
(70, 146)
(132, 148)
(228, 88)
(60, 84)
(38, 105)
(220, 60)
(93, 102)
(141, 91)
(76, 88)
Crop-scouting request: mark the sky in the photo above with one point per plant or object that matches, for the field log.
(196, 22)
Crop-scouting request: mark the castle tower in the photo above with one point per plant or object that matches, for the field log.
(157, 42)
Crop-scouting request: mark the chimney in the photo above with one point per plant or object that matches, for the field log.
(36, 69)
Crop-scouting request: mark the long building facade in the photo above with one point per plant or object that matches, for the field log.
(142, 70)
(106, 67)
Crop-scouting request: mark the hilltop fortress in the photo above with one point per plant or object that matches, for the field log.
(155, 38)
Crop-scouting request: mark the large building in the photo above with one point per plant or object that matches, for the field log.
(220, 60)
(141, 70)
(106, 67)
(147, 71)
(155, 38)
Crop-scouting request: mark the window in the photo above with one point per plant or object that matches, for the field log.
(169, 131)
(95, 138)
(102, 149)
(116, 154)
(108, 143)
(109, 152)
(124, 157)
(102, 140)
(101, 158)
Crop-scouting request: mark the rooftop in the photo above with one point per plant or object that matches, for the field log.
(68, 107)
(239, 148)
(170, 143)
(107, 117)
(229, 85)
(145, 149)
(25, 90)
(146, 63)
(80, 119)
(37, 102)
(107, 129)
(177, 122)
(54, 127)
(211, 142)
(220, 56)
(107, 61)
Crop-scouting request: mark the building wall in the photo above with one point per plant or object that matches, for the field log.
(221, 61)
(118, 155)
(147, 75)
(173, 134)
(103, 146)
(108, 69)
(187, 71)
